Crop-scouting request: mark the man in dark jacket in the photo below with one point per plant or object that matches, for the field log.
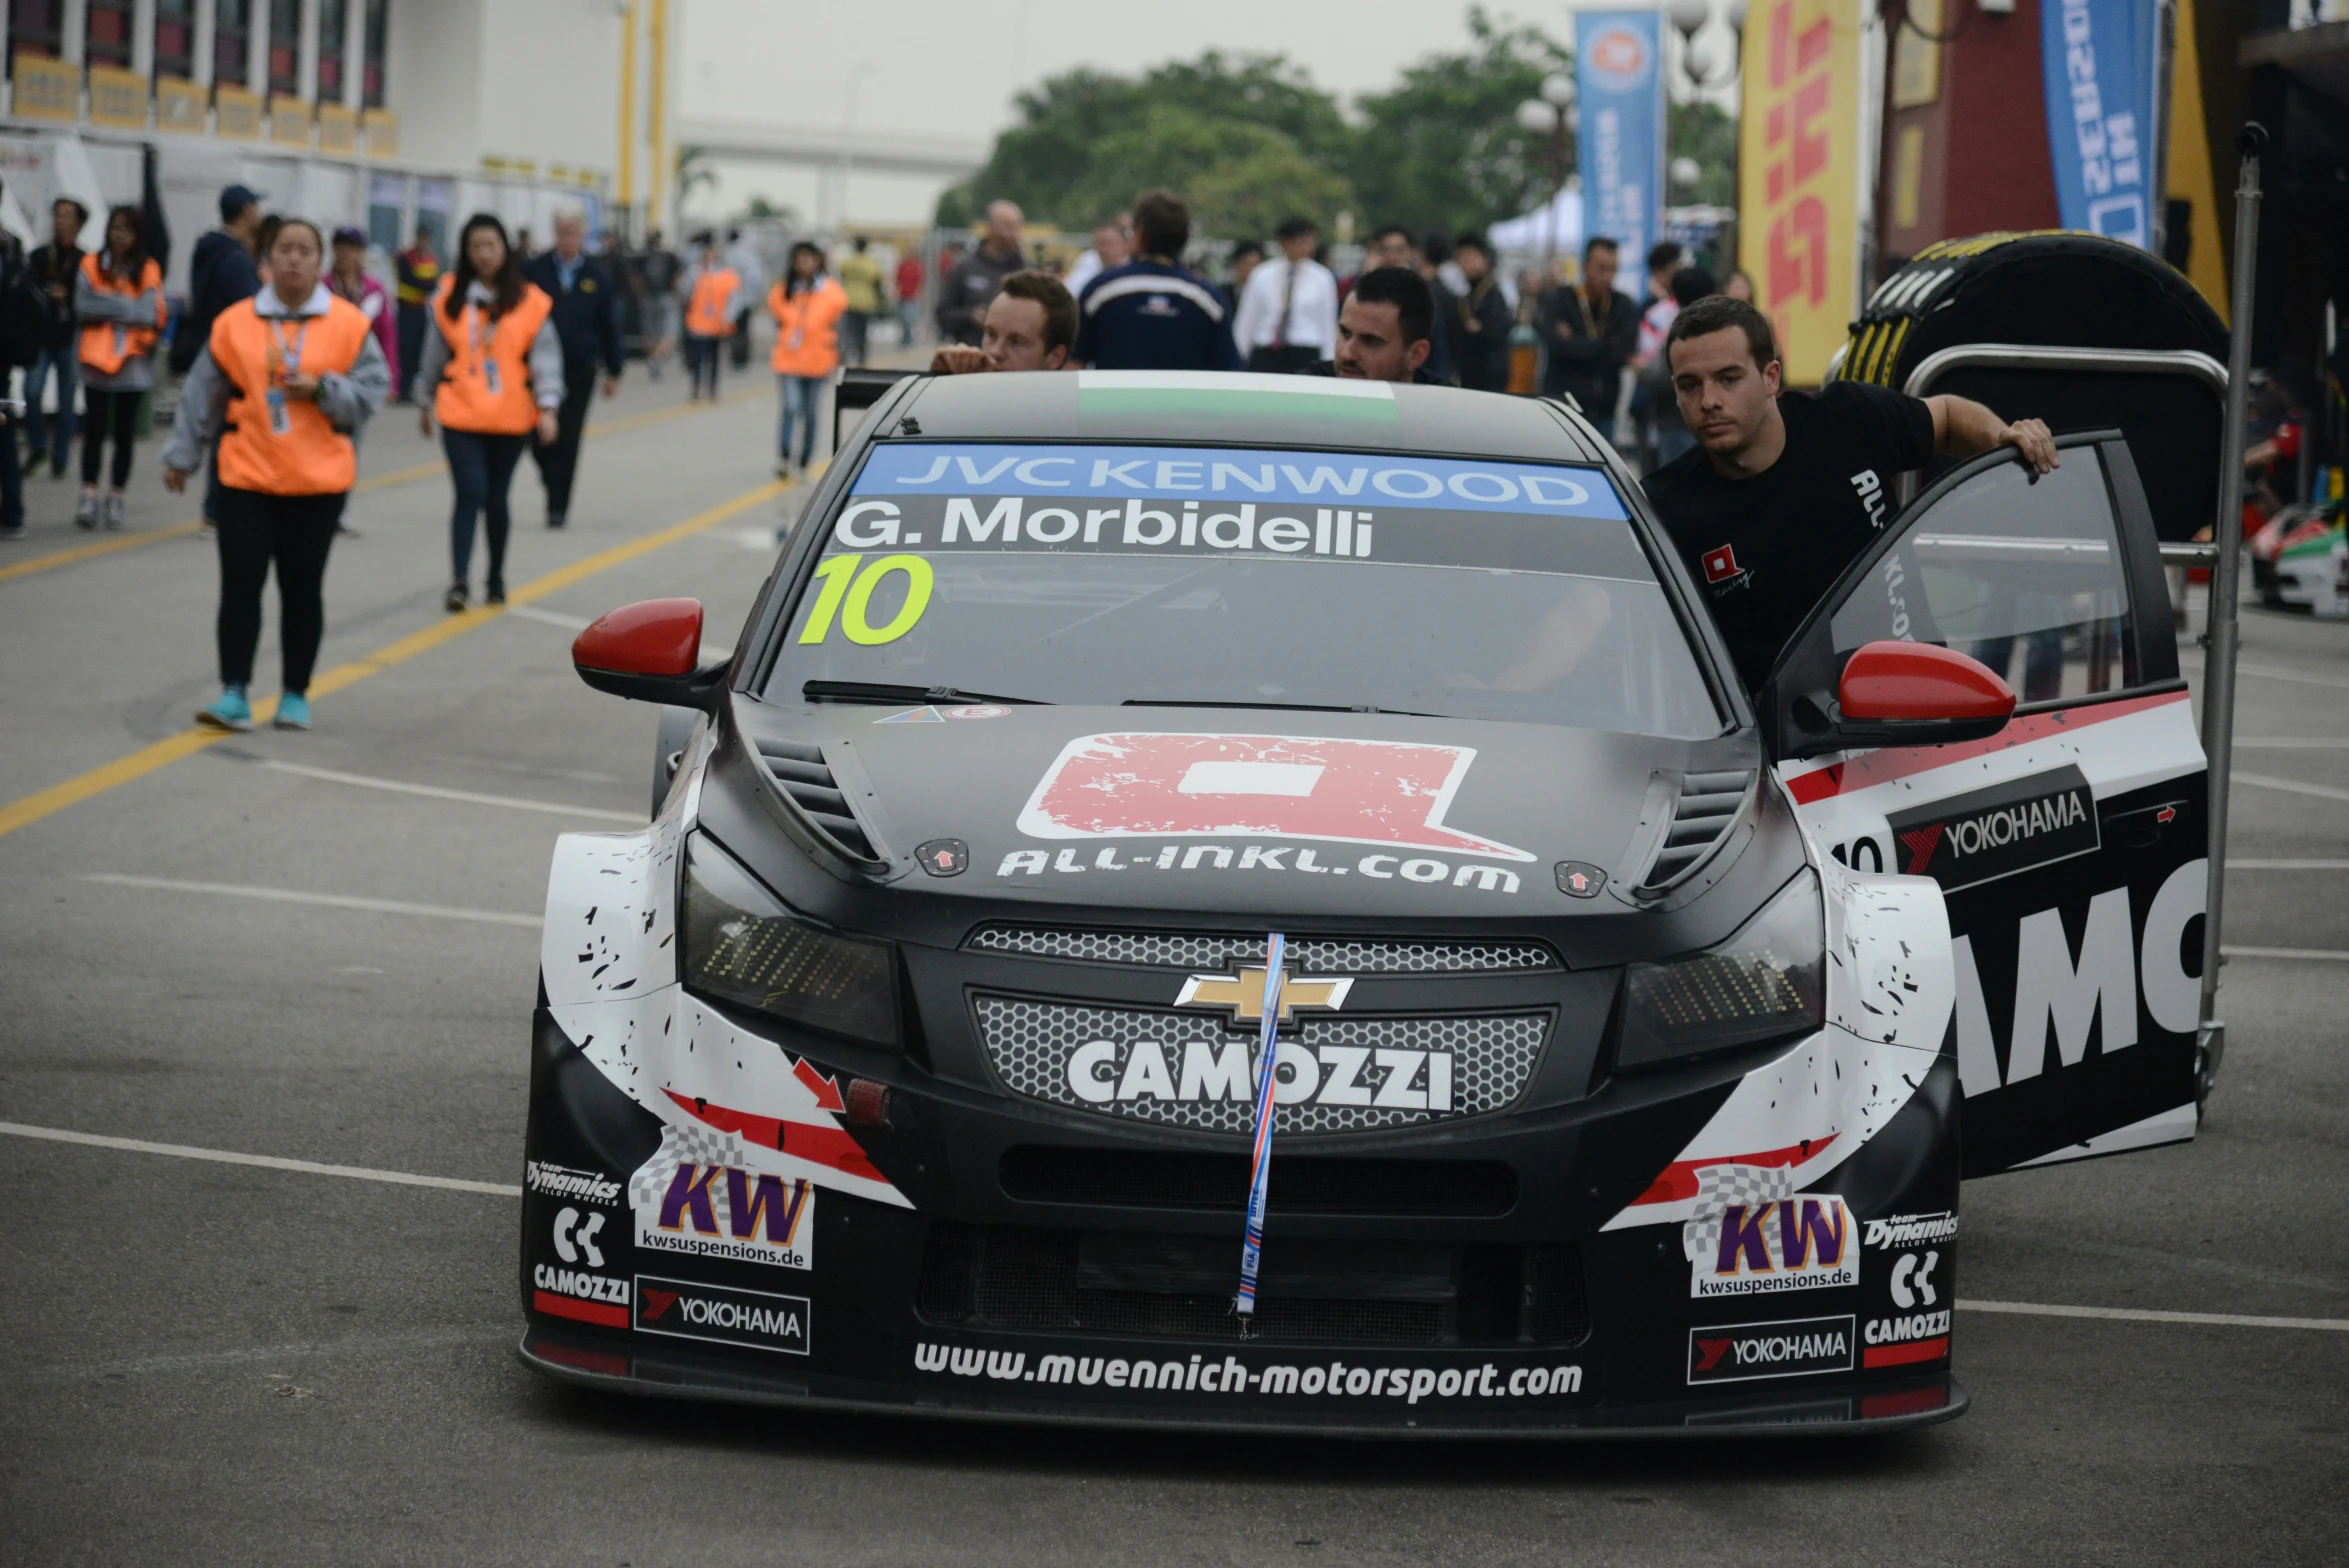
(52, 272)
(1154, 313)
(587, 320)
(221, 273)
(1484, 319)
(965, 292)
(1588, 334)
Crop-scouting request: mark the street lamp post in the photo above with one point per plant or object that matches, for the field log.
(1548, 113)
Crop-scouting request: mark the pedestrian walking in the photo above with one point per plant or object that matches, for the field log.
(751, 276)
(1152, 312)
(1588, 331)
(1287, 323)
(492, 373)
(966, 288)
(659, 270)
(221, 271)
(23, 320)
(807, 306)
(1485, 318)
(860, 279)
(416, 274)
(283, 386)
(52, 270)
(587, 324)
(709, 317)
(349, 281)
(909, 296)
(1112, 247)
(118, 296)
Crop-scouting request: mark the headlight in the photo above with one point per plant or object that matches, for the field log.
(1766, 982)
(743, 946)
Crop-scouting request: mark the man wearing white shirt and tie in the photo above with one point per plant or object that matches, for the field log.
(1287, 322)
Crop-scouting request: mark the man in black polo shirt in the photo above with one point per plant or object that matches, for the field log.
(1781, 492)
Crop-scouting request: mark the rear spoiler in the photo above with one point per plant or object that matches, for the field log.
(859, 390)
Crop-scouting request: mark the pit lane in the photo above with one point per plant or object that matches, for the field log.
(318, 950)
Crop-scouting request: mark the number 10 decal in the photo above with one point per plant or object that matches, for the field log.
(847, 595)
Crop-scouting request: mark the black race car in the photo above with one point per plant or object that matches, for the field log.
(1628, 1044)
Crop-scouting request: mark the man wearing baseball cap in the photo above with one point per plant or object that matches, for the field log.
(222, 272)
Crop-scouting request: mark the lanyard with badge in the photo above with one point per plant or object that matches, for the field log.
(483, 360)
(283, 362)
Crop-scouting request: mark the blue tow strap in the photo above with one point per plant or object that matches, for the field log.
(1267, 1064)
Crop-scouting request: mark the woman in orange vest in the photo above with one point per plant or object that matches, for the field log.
(119, 299)
(493, 375)
(285, 382)
(709, 316)
(807, 306)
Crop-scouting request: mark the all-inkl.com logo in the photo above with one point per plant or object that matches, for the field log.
(1618, 58)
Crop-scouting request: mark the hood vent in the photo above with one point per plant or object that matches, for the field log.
(1707, 809)
(803, 774)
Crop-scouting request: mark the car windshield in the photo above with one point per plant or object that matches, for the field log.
(1107, 575)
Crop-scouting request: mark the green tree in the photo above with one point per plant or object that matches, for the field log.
(1708, 133)
(1442, 151)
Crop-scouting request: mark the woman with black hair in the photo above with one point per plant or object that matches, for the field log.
(807, 305)
(493, 376)
(119, 297)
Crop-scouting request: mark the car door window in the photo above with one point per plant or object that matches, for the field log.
(2023, 573)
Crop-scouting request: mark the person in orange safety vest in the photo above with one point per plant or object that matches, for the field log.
(709, 316)
(118, 297)
(285, 382)
(807, 306)
(493, 375)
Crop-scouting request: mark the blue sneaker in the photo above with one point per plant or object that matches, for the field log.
(229, 711)
(293, 712)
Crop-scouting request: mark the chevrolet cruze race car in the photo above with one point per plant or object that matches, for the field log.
(1631, 1037)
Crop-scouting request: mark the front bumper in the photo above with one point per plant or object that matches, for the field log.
(994, 1298)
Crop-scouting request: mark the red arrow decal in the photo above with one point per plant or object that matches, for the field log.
(802, 1141)
(826, 1090)
(1678, 1181)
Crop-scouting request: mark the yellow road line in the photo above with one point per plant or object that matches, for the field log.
(398, 476)
(163, 753)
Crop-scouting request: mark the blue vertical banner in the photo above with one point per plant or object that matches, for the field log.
(1619, 90)
(2098, 61)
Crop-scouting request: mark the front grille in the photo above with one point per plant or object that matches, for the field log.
(1488, 1061)
(1180, 1179)
(1147, 1286)
(1210, 950)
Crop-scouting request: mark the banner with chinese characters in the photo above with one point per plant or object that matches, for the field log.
(1619, 84)
(1798, 175)
(118, 99)
(46, 89)
(2097, 59)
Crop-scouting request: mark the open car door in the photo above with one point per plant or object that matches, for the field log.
(2071, 845)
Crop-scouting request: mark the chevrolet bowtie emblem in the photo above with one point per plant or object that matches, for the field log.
(1243, 994)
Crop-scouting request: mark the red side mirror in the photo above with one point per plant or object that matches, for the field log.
(1913, 681)
(654, 637)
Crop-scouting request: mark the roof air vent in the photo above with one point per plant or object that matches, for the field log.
(1708, 807)
(804, 776)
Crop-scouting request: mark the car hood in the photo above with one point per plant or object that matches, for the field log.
(1247, 813)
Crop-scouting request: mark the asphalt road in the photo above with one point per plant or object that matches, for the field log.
(215, 1362)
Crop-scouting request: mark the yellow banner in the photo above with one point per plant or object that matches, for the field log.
(338, 130)
(118, 99)
(236, 114)
(47, 89)
(289, 120)
(179, 106)
(383, 134)
(1798, 162)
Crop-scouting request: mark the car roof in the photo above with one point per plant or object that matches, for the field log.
(1239, 409)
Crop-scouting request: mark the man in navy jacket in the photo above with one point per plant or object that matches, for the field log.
(587, 321)
(1154, 313)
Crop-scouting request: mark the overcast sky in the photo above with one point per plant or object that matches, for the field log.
(952, 66)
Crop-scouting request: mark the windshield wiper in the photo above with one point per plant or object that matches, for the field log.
(883, 692)
(1291, 707)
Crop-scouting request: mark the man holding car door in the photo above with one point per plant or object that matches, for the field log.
(1783, 490)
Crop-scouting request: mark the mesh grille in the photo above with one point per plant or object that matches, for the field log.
(1308, 954)
(1180, 1179)
(1490, 1059)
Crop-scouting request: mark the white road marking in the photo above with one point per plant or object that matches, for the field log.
(381, 906)
(2293, 743)
(469, 797)
(532, 612)
(266, 1161)
(2318, 953)
(2234, 864)
(2293, 786)
(2034, 1309)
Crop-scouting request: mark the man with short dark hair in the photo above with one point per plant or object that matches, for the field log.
(1588, 332)
(222, 271)
(1287, 323)
(52, 270)
(1031, 324)
(1154, 313)
(1484, 316)
(1784, 489)
(586, 320)
(1384, 328)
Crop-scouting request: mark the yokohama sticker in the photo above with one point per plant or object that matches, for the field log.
(1997, 832)
(722, 1315)
(1390, 793)
(1743, 1352)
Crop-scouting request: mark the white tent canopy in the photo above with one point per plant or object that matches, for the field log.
(1555, 228)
